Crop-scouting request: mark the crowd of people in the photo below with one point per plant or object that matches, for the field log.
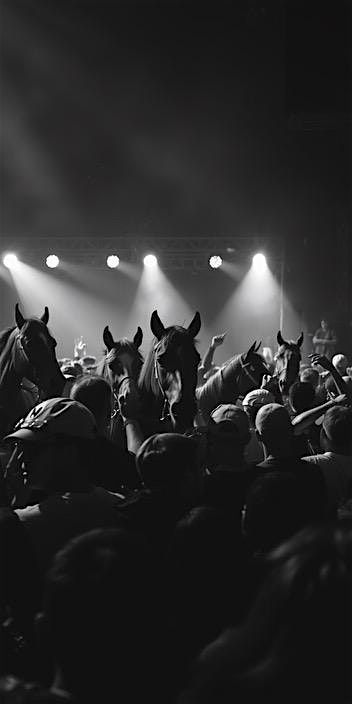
(204, 568)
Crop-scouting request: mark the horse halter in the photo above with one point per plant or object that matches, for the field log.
(247, 373)
(24, 358)
(166, 413)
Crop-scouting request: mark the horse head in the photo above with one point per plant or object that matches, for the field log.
(123, 361)
(173, 367)
(287, 359)
(35, 357)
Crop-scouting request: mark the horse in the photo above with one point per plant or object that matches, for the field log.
(287, 363)
(235, 378)
(168, 378)
(121, 367)
(27, 353)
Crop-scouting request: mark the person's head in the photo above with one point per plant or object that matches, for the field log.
(71, 370)
(310, 375)
(254, 400)
(228, 435)
(274, 430)
(168, 464)
(336, 430)
(88, 363)
(324, 324)
(52, 445)
(296, 643)
(101, 615)
(340, 363)
(301, 396)
(95, 393)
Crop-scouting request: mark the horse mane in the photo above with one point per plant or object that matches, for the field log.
(147, 382)
(4, 338)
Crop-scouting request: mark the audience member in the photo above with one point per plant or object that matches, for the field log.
(59, 500)
(336, 460)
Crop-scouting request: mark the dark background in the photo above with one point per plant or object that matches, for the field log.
(185, 118)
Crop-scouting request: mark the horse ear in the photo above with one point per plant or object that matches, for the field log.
(137, 340)
(300, 340)
(258, 346)
(280, 339)
(45, 316)
(20, 320)
(194, 325)
(156, 325)
(108, 339)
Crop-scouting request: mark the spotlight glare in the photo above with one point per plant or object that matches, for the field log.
(10, 260)
(150, 260)
(52, 261)
(112, 261)
(215, 261)
(259, 262)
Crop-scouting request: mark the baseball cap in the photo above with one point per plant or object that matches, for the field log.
(56, 416)
(231, 413)
(165, 457)
(273, 418)
(258, 398)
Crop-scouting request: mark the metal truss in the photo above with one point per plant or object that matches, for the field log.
(174, 253)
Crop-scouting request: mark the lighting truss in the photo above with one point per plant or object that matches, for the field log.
(174, 253)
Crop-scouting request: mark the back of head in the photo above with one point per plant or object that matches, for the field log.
(336, 431)
(301, 395)
(94, 392)
(311, 375)
(340, 363)
(274, 427)
(233, 421)
(166, 461)
(101, 601)
(254, 400)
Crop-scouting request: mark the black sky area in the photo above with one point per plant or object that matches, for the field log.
(178, 118)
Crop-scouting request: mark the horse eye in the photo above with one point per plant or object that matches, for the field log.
(165, 360)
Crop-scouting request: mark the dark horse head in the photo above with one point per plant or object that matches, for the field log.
(240, 374)
(288, 359)
(27, 351)
(123, 360)
(168, 378)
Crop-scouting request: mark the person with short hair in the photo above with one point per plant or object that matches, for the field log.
(103, 620)
(276, 432)
(324, 340)
(251, 404)
(110, 466)
(335, 462)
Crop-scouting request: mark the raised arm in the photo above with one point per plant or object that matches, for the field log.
(340, 383)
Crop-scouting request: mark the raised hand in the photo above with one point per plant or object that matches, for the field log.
(217, 340)
(322, 360)
(80, 347)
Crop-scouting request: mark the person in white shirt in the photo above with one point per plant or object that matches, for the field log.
(336, 460)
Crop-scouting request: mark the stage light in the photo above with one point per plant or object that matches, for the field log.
(52, 261)
(215, 261)
(150, 260)
(259, 262)
(112, 261)
(10, 260)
